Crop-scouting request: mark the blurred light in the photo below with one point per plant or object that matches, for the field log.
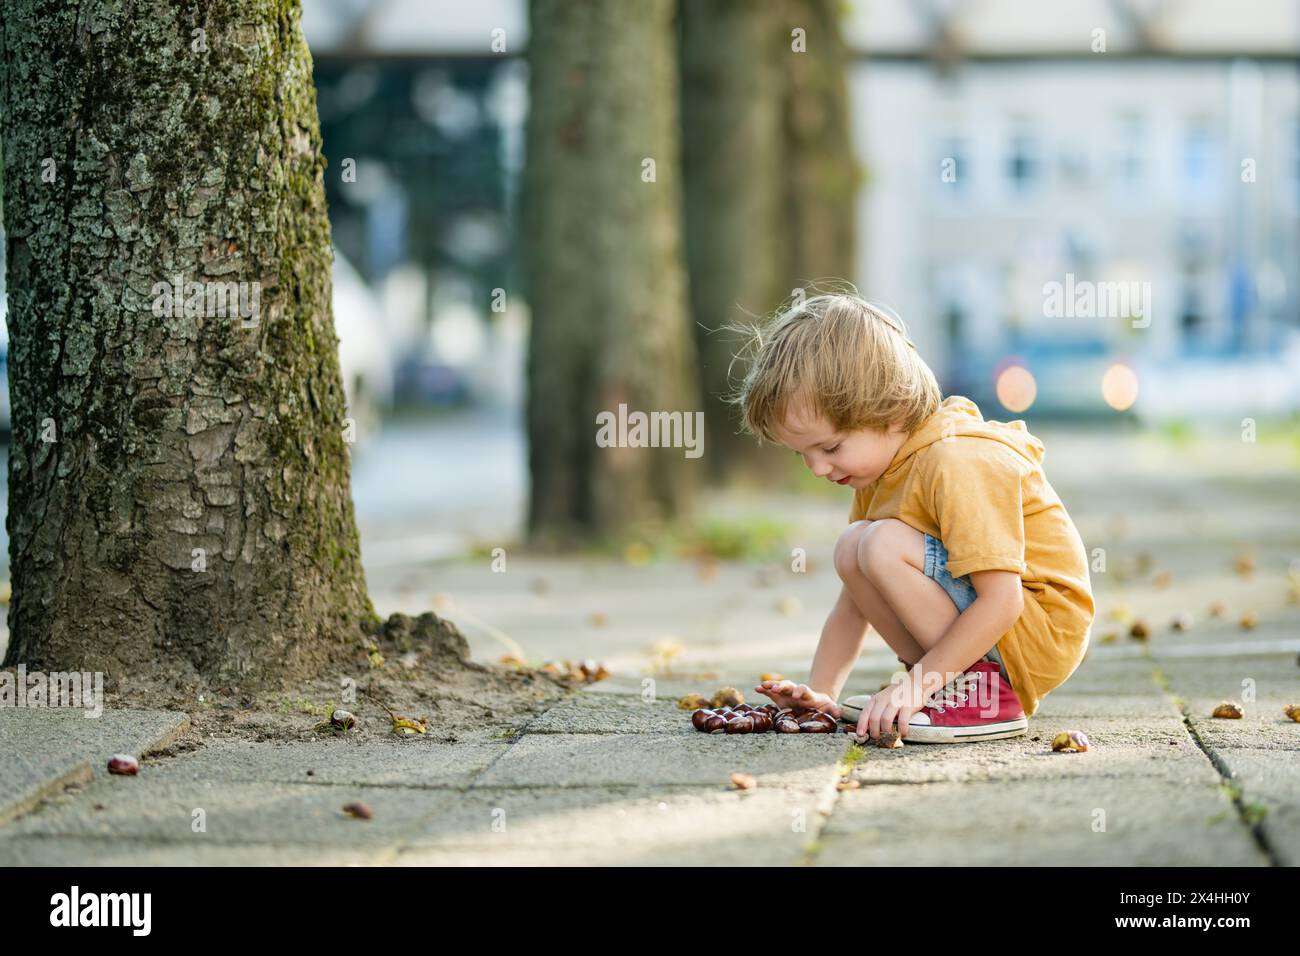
(457, 333)
(1119, 387)
(1016, 388)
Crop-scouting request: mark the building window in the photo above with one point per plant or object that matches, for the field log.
(1201, 164)
(1024, 166)
(1131, 142)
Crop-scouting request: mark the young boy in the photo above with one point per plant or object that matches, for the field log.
(958, 551)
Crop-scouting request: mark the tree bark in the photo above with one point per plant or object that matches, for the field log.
(732, 61)
(770, 185)
(179, 478)
(822, 177)
(604, 272)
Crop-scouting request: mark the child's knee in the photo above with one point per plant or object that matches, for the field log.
(846, 550)
(883, 545)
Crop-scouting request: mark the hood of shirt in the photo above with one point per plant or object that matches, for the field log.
(958, 415)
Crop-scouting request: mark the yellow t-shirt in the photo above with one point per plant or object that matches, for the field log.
(979, 487)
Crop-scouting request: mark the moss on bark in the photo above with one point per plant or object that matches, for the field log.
(144, 140)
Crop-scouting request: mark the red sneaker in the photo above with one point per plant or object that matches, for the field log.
(978, 704)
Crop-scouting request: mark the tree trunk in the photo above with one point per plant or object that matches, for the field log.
(179, 477)
(770, 184)
(604, 271)
(732, 60)
(822, 177)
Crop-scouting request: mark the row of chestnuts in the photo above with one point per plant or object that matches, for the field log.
(747, 719)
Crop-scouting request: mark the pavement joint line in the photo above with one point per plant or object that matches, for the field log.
(80, 774)
(805, 788)
(405, 842)
(1230, 784)
(154, 842)
(828, 799)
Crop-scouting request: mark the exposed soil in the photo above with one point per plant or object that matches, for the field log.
(419, 667)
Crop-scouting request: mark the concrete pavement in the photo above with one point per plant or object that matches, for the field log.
(614, 774)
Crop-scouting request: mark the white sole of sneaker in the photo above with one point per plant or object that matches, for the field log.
(965, 735)
(947, 735)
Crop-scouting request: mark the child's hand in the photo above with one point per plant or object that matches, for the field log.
(889, 709)
(786, 693)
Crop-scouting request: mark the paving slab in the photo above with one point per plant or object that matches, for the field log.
(613, 714)
(584, 760)
(410, 762)
(43, 749)
(1271, 781)
(1111, 671)
(606, 825)
(132, 808)
(44, 850)
(1037, 822)
(1068, 703)
(1118, 750)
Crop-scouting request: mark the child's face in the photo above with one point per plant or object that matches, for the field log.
(853, 458)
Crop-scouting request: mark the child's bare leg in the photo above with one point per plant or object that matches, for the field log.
(892, 557)
(870, 602)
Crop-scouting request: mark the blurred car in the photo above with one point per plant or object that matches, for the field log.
(426, 381)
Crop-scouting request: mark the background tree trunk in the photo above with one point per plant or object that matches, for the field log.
(733, 57)
(605, 277)
(178, 487)
(822, 177)
(771, 183)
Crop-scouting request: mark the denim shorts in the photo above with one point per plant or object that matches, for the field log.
(961, 590)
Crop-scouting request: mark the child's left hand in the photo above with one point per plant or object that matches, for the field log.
(891, 705)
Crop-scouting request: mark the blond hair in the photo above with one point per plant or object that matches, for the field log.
(839, 356)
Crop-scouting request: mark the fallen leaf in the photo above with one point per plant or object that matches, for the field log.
(1074, 741)
(743, 781)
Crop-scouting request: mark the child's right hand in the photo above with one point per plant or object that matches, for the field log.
(786, 693)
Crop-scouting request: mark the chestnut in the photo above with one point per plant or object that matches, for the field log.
(700, 718)
(358, 810)
(123, 764)
(889, 739)
(714, 723)
(785, 724)
(741, 725)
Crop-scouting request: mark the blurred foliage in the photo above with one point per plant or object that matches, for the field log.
(720, 539)
(1179, 431)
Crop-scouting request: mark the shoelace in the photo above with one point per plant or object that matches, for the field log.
(952, 693)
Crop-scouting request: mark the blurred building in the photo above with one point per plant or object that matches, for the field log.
(422, 108)
(1143, 147)
(1012, 145)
